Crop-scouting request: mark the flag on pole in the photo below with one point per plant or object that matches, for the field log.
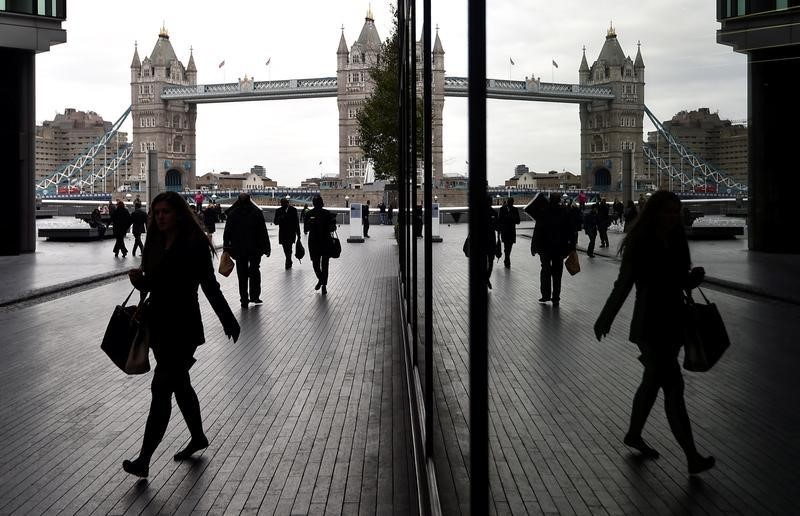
(221, 64)
(554, 63)
(320, 163)
(512, 62)
(269, 60)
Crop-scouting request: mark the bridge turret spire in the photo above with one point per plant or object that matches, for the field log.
(163, 33)
(584, 64)
(136, 63)
(190, 66)
(437, 44)
(369, 13)
(342, 44)
(639, 63)
(611, 32)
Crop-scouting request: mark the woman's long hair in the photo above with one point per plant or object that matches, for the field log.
(188, 228)
(652, 221)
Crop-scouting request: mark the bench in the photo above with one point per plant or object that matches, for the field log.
(46, 213)
(87, 216)
(74, 234)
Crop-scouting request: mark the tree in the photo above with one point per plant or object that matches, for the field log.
(378, 121)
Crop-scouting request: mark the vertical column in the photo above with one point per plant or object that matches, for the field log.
(478, 228)
(773, 110)
(17, 151)
(627, 176)
(427, 100)
(154, 186)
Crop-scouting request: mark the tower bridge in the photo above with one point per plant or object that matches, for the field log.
(609, 95)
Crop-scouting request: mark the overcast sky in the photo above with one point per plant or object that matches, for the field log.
(685, 69)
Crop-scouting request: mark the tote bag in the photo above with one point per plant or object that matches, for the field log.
(707, 339)
(125, 340)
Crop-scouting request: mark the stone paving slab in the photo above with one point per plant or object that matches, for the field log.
(560, 401)
(306, 413)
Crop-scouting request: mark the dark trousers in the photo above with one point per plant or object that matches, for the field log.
(507, 250)
(248, 269)
(366, 228)
(119, 245)
(287, 251)
(320, 264)
(592, 237)
(489, 267)
(662, 371)
(603, 230)
(137, 242)
(550, 276)
(171, 375)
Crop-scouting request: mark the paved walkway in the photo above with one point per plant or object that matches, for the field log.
(560, 401)
(307, 413)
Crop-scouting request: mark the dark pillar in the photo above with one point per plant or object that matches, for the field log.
(153, 185)
(17, 151)
(773, 112)
(627, 176)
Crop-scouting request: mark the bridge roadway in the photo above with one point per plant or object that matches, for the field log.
(322, 87)
(307, 412)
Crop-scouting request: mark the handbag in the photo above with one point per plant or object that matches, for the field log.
(572, 264)
(707, 339)
(226, 264)
(299, 250)
(335, 246)
(126, 338)
(498, 248)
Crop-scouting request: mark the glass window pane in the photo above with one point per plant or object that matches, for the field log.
(740, 8)
(782, 4)
(40, 8)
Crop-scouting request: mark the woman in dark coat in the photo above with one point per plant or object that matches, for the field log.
(176, 260)
(655, 258)
(318, 224)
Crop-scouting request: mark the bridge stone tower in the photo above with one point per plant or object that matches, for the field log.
(609, 127)
(355, 86)
(166, 127)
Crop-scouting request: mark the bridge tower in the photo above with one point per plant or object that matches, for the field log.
(609, 127)
(355, 86)
(166, 127)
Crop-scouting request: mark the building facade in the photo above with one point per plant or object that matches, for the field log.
(58, 141)
(167, 127)
(609, 127)
(718, 142)
(355, 86)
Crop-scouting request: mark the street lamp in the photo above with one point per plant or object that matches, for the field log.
(435, 198)
(346, 201)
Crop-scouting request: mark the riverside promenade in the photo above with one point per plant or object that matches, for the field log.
(308, 412)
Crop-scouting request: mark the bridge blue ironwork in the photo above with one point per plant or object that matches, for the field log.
(530, 90)
(700, 172)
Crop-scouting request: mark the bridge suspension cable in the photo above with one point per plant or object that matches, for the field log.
(72, 173)
(700, 172)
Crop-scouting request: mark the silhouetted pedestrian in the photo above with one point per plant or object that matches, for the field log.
(507, 221)
(552, 240)
(120, 222)
(365, 218)
(490, 238)
(390, 213)
(246, 240)
(417, 220)
(319, 225)
(630, 215)
(175, 261)
(288, 229)
(603, 222)
(303, 212)
(382, 210)
(138, 226)
(618, 209)
(582, 200)
(590, 227)
(211, 217)
(96, 221)
(655, 258)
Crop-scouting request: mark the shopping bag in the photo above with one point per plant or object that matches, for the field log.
(707, 339)
(498, 248)
(225, 264)
(125, 330)
(299, 250)
(572, 264)
(335, 246)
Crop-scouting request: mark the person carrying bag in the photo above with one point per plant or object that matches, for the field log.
(126, 338)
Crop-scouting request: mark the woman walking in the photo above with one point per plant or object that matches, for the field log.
(175, 261)
(318, 224)
(655, 258)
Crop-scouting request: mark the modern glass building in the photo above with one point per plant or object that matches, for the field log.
(27, 27)
(768, 31)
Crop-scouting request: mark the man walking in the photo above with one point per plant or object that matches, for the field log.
(552, 237)
(120, 222)
(382, 209)
(288, 228)
(139, 226)
(507, 220)
(365, 218)
(603, 222)
(246, 239)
